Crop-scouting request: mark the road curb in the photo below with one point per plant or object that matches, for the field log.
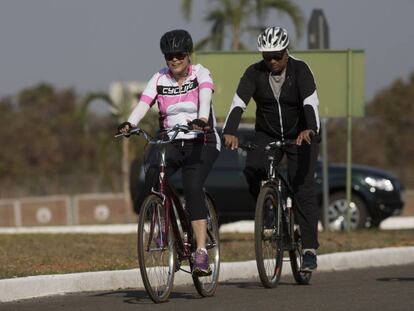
(243, 226)
(47, 285)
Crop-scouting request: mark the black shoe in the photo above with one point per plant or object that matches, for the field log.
(309, 262)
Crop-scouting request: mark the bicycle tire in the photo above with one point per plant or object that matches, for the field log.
(206, 286)
(295, 255)
(268, 246)
(156, 262)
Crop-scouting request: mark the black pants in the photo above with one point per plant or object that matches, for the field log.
(195, 159)
(301, 162)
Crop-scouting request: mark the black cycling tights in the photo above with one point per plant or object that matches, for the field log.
(195, 160)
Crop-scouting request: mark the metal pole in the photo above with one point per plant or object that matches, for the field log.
(349, 146)
(325, 186)
(324, 122)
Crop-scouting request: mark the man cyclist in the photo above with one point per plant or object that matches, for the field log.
(183, 92)
(284, 90)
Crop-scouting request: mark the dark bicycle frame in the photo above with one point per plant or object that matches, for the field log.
(184, 242)
(276, 180)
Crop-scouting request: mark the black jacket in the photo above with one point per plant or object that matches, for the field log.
(283, 118)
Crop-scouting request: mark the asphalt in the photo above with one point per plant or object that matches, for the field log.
(47, 285)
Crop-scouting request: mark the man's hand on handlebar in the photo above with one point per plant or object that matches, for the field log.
(306, 136)
(231, 141)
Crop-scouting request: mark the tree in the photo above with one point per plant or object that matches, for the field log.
(120, 103)
(237, 14)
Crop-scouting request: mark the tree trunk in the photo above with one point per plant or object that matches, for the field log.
(125, 180)
(235, 41)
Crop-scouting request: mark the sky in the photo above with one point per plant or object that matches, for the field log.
(87, 44)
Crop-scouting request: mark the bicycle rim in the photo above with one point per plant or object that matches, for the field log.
(206, 286)
(268, 237)
(295, 255)
(156, 250)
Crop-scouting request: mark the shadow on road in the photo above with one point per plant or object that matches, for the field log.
(396, 279)
(253, 285)
(141, 297)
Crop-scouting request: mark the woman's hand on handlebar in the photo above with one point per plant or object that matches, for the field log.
(198, 124)
(306, 136)
(231, 141)
(124, 128)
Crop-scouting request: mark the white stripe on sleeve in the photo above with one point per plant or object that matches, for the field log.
(313, 101)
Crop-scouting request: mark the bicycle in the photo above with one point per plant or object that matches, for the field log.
(275, 228)
(165, 236)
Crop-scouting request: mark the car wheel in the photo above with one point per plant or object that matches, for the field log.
(337, 212)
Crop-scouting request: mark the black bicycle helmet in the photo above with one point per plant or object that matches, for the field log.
(176, 41)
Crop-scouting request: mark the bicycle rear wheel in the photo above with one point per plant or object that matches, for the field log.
(295, 255)
(156, 250)
(268, 237)
(206, 285)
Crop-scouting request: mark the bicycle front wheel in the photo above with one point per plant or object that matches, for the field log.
(206, 285)
(268, 237)
(156, 250)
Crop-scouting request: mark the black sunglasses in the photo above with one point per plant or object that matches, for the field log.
(268, 56)
(171, 56)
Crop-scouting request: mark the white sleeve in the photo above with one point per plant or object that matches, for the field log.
(146, 101)
(138, 113)
(205, 95)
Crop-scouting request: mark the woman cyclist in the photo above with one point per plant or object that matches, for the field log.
(183, 92)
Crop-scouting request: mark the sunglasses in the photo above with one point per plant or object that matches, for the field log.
(277, 56)
(171, 56)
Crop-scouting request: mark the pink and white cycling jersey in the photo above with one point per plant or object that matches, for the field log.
(179, 105)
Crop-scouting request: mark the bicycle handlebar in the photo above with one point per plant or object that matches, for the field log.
(249, 146)
(175, 130)
(280, 143)
(270, 146)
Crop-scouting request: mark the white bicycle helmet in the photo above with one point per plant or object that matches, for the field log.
(273, 39)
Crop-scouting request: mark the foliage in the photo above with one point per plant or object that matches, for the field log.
(43, 140)
(383, 137)
(237, 16)
(53, 144)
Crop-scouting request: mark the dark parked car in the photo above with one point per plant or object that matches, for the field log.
(376, 194)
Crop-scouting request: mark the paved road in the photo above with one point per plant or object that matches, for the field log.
(390, 288)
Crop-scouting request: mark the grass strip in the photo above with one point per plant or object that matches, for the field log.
(39, 254)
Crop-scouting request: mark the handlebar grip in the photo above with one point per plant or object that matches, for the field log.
(249, 146)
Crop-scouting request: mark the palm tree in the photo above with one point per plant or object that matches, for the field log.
(236, 15)
(120, 103)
